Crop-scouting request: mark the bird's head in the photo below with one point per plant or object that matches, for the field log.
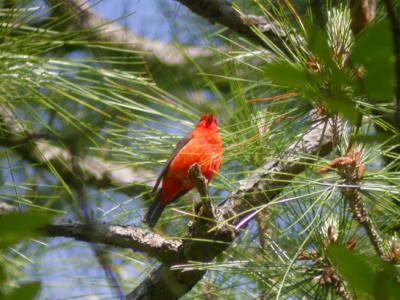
(208, 121)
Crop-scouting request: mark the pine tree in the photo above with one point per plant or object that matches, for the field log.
(306, 204)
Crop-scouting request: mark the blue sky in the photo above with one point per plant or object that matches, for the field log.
(155, 19)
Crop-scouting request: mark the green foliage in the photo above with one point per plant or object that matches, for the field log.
(373, 50)
(27, 291)
(334, 82)
(17, 226)
(287, 75)
(329, 85)
(366, 275)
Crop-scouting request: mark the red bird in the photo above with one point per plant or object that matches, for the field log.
(204, 147)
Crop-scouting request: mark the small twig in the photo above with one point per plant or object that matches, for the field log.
(202, 187)
(330, 278)
(360, 214)
(262, 228)
(337, 284)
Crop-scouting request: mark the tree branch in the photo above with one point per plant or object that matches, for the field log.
(360, 214)
(336, 283)
(222, 12)
(202, 187)
(96, 172)
(169, 282)
(122, 236)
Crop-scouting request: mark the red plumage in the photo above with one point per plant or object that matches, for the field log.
(204, 147)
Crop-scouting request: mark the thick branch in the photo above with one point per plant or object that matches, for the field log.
(222, 12)
(122, 236)
(261, 188)
(95, 171)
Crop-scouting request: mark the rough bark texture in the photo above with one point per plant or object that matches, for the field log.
(222, 12)
(360, 214)
(338, 284)
(96, 172)
(263, 186)
(122, 236)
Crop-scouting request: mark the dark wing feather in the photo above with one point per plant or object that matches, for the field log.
(155, 209)
(178, 147)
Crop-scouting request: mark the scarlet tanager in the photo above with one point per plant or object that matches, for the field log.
(202, 147)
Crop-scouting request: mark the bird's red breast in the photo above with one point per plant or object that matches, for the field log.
(204, 147)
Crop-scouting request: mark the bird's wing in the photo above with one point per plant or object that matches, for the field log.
(178, 147)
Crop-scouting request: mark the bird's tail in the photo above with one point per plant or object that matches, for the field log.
(154, 212)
